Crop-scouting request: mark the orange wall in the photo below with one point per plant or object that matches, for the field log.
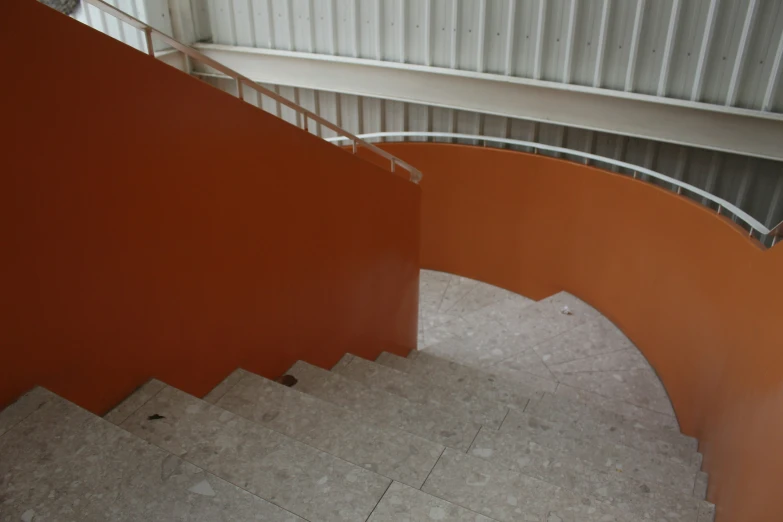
(702, 302)
(153, 226)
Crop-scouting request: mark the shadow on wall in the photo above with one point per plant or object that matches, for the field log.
(170, 230)
(699, 299)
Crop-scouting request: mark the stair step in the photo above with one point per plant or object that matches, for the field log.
(508, 496)
(587, 418)
(513, 394)
(403, 503)
(675, 449)
(384, 409)
(134, 401)
(66, 463)
(23, 407)
(288, 473)
(395, 454)
(646, 500)
(605, 455)
(216, 393)
(559, 409)
(454, 397)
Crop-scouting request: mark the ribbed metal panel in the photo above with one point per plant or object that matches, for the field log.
(716, 51)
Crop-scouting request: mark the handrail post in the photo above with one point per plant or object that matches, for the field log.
(240, 95)
(353, 142)
(393, 163)
(148, 38)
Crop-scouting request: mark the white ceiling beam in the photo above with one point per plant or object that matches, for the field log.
(774, 77)
(569, 49)
(716, 127)
(634, 50)
(482, 26)
(510, 27)
(671, 34)
(739, 61)
(706, 42)
(599, 53)
(539, 39)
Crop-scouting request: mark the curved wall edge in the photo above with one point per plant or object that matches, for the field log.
(699, 299)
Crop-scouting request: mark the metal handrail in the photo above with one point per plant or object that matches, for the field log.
(753, 223)
(149, 31)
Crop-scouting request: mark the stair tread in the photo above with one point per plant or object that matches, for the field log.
(512, 394)
(602, 454)
(403, 503)
(66, 463)
(393, 453)
(454, 397)
(383, 408)
(134, 401)
(645, 499)
(545, 405)
(558, 408)
(508, 496)
(288, 473)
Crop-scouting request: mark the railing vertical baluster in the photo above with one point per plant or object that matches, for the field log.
(240, 94)
(148, 38)
(353, 142)
(393, 163)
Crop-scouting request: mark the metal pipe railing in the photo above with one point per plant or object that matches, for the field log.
(242, 81)
(723, 205)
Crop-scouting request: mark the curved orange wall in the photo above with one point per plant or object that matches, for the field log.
(703, 303)
(152, 226)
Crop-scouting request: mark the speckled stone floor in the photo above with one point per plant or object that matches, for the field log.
(511, 411)
(582, 355)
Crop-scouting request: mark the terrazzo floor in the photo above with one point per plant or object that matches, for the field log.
(581, 355)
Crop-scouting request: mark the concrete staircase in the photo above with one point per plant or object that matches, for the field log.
(399, 439)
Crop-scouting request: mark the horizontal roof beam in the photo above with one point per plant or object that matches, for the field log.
(716, 127)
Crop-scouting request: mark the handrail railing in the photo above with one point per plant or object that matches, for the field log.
(190, 53)
(722, 204)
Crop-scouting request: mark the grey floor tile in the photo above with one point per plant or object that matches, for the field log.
(700, 485)
(454, 398)
(385, 409)
(63, 463)
(513, 393)
(569, 402)
(344, 361)
(23, 407)
(395, 361)
(290, 474)
(646, 500)
(569, 439)
(617, 430)
(229, 382)
(134, 401)
(404, 504)
(506, 495)
(639, 387)
(392, 453)
(707, 512)
(594, 337)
